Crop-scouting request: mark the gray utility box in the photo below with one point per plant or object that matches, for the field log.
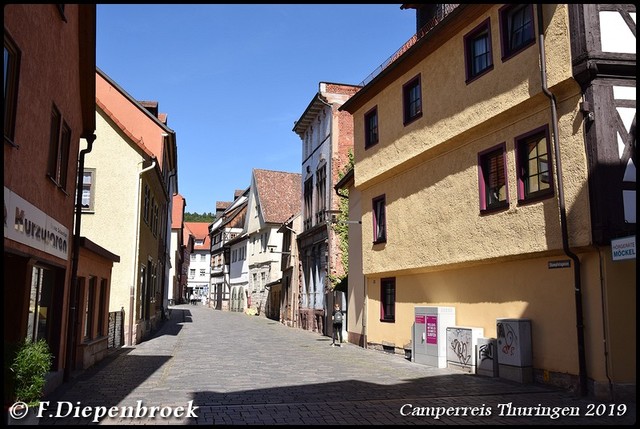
(429, 336)
(461, 347)
(486, 359)
(514, 350)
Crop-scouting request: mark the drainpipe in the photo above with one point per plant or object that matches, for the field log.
(73, 292)
(132, 296)
(563, 215)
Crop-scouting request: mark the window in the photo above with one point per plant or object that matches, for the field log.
(155, 220)
(193, 257)
(102, 307)
(11, 75)
(533, 164)
(308, 200)
(88, 308)
(203, 272)
(40, 303)
(516, 29)
(147, 203)
(321, 193)
(379, 220)
(59, 144)
(192, 273)
(388, 300)
(477, 51)
(412, 100)
(492, 178)
(88, 189)
(371, 128)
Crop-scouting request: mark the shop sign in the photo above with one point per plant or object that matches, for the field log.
(26, 224)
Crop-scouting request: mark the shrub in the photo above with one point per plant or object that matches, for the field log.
(29, 367)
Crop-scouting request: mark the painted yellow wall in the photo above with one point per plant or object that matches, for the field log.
(621, 333)
(443, 251)
(482, 294)
(433, 212)
(356, 307)
(112, 225)
(451, 107)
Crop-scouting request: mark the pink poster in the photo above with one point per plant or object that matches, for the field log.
(420, 319)
(432, 329)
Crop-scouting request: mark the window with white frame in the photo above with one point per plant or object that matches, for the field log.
(88, 189)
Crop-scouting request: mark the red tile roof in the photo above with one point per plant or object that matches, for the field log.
(279, 194)
(177, 211)
(200, 231)
(124, 129)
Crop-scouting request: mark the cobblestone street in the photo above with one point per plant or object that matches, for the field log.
(214, 367)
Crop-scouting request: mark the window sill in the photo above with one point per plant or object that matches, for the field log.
(508, 55)
(535, 198)
(479, 75)
(370, 145)
(409, 121)
(495, 209)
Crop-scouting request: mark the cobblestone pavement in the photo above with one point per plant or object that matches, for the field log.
(212, 367)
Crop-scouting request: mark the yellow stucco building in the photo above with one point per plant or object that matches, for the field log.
(481, 155)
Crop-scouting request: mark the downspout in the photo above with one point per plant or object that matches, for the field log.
(563, 215)
(73, 293)
(132, 295)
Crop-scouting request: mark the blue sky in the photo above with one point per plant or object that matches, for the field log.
(234, 78)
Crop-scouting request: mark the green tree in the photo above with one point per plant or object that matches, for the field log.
(197, 217)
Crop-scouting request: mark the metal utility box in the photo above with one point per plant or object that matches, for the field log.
(461, 347)
(514, 350)
(486, 359)
(429, 345)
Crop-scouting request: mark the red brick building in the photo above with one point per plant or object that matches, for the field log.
(327, 139)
